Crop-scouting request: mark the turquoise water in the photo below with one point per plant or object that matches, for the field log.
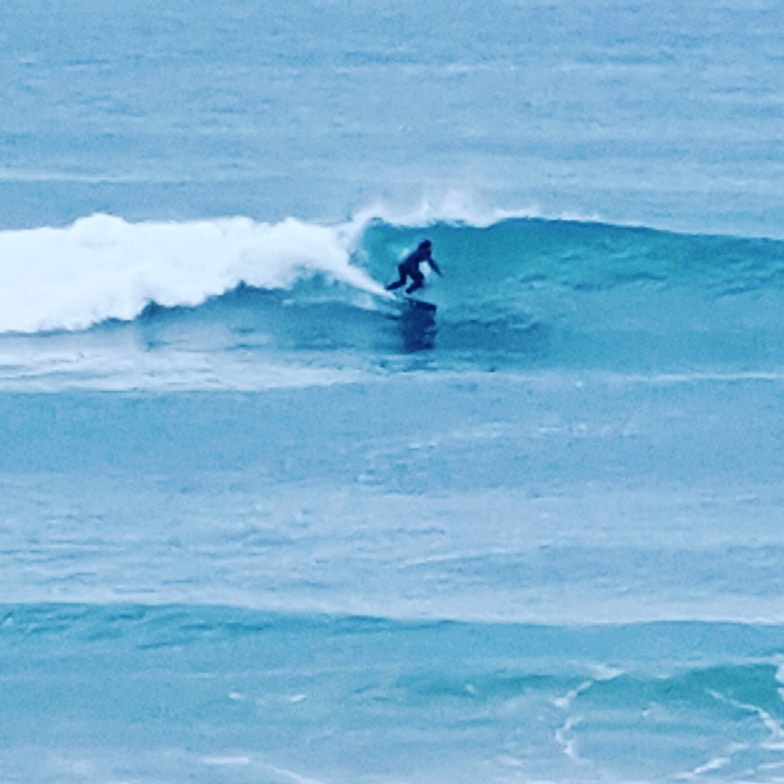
(505, 701)
(262, 521)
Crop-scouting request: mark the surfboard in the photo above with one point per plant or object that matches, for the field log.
(421, 305)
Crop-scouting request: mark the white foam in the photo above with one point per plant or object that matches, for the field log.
(564, 736)
(774, 727)
(452, 207)
(226, 761)
(461, 207)
(103, 267)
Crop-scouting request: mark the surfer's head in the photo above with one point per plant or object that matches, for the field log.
(425, 244)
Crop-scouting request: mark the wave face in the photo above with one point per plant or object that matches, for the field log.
(576, 294)
(517, 293)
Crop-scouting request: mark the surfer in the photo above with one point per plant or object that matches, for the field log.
(409, 268)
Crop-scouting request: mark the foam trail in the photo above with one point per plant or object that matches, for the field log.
(103, 267)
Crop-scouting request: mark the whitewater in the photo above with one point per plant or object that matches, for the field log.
(262, 520)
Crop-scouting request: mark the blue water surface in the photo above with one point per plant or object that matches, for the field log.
(261, 521)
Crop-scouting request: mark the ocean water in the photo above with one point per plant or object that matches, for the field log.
(262, 521)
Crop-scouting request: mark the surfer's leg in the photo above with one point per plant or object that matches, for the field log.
(419, 281)
(403, 272)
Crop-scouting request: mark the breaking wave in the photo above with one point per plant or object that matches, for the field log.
(567, 292)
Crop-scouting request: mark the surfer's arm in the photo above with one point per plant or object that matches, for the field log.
(434, 266)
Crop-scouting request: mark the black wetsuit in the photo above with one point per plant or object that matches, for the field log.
(409, 268)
